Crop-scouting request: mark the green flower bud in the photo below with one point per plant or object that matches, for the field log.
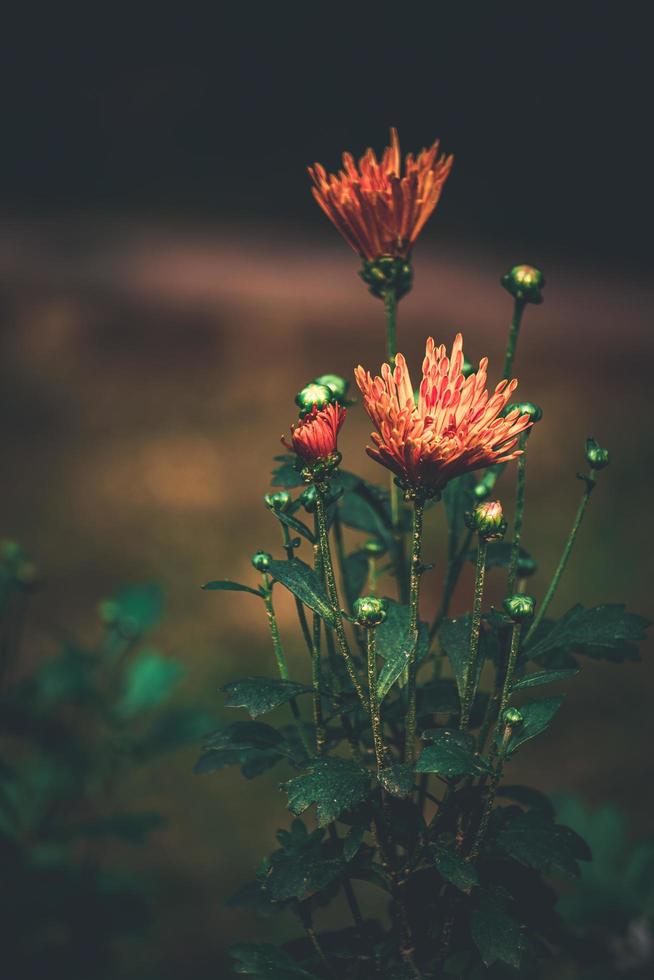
(512, 717)
(534, 412)
(279, 500)
(519, 607)
(369, 611)
(387, 271)
(337, 385)
(467, 368)
(524, 282)
(313, 396)
(527, 566)
(596, 457)
(374, 547)
(261, 561)
(308, 499)
(487, 519)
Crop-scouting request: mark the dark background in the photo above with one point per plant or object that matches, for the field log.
(168, 284)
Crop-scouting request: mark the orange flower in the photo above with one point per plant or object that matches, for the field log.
(455, 427)
(376, 210)
(315, 437)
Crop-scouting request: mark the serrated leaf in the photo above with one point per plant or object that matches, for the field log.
(286, 474)
(454, 636)
(536, 716)
(398, 780)
(333, 785)
(451, 753)
(303, 582)
(245, 743)
(535, 841)
(496, 934)
(395, 645)
(261, 694)
(605, 632)
(266, 962)
(454, 867)
(149, 681)
(544, 677)
(302, 866)
(225, 585)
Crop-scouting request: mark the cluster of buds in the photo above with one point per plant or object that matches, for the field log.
(524, 282)
(370, 611)
(487, 519)
(387, 272)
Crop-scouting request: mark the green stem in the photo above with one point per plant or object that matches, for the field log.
(507, 685)
(475, 630)
(390, 311)
(514, 332)
(519, 514)
(590, 484)
(375, 717)
(330, 581)
(416, 570)
(490, 798)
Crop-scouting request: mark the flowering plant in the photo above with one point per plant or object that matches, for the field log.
(396, 776)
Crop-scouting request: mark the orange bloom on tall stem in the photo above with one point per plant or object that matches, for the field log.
(454, 428)
(315, 437)
(376, 209)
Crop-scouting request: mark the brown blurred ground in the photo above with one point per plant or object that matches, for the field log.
(147, 373)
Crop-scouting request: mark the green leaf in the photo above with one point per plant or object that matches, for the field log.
(261, 694)
(266, 962)
(438, 697)
(365, 507)
(454, 636)
(149, 681)
(544, 677)
(139, 607)
(303, 582)
(334, 785)
(496, 934)
(224, 585)
(458, 497)
(352, 842)
(172, 729)
(302, 866)
(253, 745)
(533, 799)
(606, 632)
(454, 868)
(536, 717)
(356, 571)
(286, 475)
(398, 780)
(66, 678)
(395, 645)
(535, 841)
(451, 754)
(295, 524)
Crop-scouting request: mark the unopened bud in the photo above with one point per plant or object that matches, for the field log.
(487, 519)
(374, 547)
(308, 499)
(279, 500)
(534, 412)
(524, 282)
(261, 561)
(313, 396)
(519, 607)
(336, 384)
(596, 457)
(386, 272)
(512, 717)
(369, 611)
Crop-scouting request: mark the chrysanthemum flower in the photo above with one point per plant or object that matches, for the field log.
(378, 211)
(454, 428)
(315, 437)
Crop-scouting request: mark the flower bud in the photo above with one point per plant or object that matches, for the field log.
(519, 607)
(278, 501)
(596, 457)
(512, 717)
(308, 499)
(374, 547)
(369, 611)
(312, 396)
(467, 368)
(261, 561)
(387, 272)
(337, 385)
(534, 412)
(487, 519)
(524, 282)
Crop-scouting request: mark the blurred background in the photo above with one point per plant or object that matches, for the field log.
(168, 284)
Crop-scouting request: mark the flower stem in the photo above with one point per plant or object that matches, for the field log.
(475, 630)
(416, 570)
(507, 685)
(330, 580)
(373, 700)
(490, 798)
(316, 667)
(590, 484)
(514, 332)
(390, 311)
(519, 514)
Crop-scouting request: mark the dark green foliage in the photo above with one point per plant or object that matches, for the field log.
(395, 644)
(303, 865)
(498, 554)
(541, 677)
(294, 523)
(454, 636)
(605, 632)
(252, 745)
(536, 717)
(286, 475)
(224, 585)
(458, 498)
(261, 694)
(356, 570)
(452, 753)
(303, 582)
(528, 797)
(398, 780)
(454, 867)
(334, 785)
(496, 934)
(534, 840)
(149, 681)
(266, 962)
